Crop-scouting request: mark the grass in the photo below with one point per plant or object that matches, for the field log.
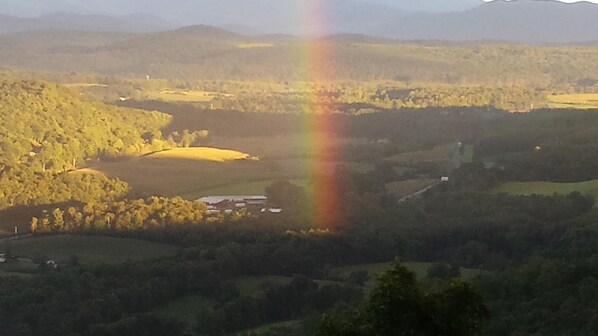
(254, 286)
(187, 96)
(401, 189)
(283, 146)
(254, 45)
(175, 177)
(84, 85)
(467, 156)
(575, 101)
(185, 309)
(193, 173)
(7, 274)
(277, 328)
(89, 249)
(548, 188)
(244, 188)
(437, 154)
(201, 154)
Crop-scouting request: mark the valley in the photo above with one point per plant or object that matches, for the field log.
(183, 179)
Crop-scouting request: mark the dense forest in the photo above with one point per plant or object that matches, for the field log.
(48, 127)
(193, 53)
(48, 130)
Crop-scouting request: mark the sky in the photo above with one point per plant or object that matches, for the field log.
(168, 8)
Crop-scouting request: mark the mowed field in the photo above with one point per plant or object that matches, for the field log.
(202, 154)
(185, 96)
(574, 101)
(88, 249)
(248, 167)
(401, 189)
(435, 155)
(548, 188)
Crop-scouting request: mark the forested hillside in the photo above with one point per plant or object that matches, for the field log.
(203, 52)
(45, 126)
(47, 130)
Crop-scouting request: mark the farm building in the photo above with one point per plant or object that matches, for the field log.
(228, 204)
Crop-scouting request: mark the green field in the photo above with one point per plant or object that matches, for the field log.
(184, 96)
(88, 249)
(185, 309)
(202, 154)
(576, 101)
(254, 45)
(279, 328)
(401, 189)
(548, 188)
(254, 286)
(149, 176)
(467, 156)
(244, 188)
(196, 172)
(437, 154)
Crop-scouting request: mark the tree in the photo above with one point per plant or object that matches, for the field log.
(398, 306)
(284, 194)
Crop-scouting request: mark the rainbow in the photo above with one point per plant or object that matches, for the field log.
(314, 59)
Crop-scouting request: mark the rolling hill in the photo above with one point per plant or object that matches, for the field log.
(204, 52)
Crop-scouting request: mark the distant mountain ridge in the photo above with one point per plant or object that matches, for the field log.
(522, 21)
(78, 22)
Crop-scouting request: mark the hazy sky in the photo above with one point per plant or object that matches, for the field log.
(176, 8)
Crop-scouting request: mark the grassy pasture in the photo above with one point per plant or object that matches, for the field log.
(437, 154)
(254, 286)
(193, 172)
(576, 101)
(278, 328)
(174, 177)
(182, 96)
(284, 146)
(245, 188)
(89, 249)
(84, 85)
(548, 188)
(401, 189)
(185, 309)
(467, 156)
(201, 154)
(254, 45)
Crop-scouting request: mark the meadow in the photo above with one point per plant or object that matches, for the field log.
(548, 188)
(88, 249)
(253, 164)
(185, 309)
(187, 96)
(202, 154)
(401, 189)
(437, 154)
(581, 101)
